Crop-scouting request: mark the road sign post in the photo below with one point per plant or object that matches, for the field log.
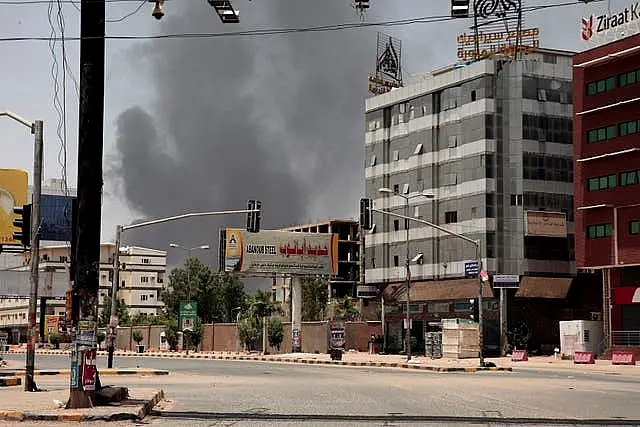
(188, 315)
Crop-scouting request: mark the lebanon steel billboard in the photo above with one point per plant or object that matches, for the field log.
(286, 252)
(13, 192)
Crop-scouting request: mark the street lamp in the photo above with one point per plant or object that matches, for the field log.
(36, 130)
(387, 191)
(188, 250)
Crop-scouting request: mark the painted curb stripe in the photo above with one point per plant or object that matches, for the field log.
(10, 381)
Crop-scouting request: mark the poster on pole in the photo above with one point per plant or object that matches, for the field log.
(188, 315)
(13, 193)
(271, 251)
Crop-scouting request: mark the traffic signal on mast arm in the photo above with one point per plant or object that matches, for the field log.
(366, 214)
(23, 224)
(361, 5)
(253, 218)
(460, 8)
(225, 11)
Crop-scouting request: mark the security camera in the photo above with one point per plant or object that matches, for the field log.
(418, 257)
(158, 10)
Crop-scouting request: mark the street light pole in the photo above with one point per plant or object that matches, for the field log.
(406, 198)
(476, 243)
(188, 250)
(37, 130)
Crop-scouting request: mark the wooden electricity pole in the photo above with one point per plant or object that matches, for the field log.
(84, 377)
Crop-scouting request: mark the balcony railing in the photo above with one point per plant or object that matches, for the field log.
(626, 338)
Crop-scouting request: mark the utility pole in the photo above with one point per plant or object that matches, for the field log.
(84, 381)
(29, 382)
(115, 284)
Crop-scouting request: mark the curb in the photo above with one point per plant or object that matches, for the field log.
(104, 372)
(10, 381)
(142, 412)
(288, 360)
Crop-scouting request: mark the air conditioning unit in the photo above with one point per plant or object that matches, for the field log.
(596, 315)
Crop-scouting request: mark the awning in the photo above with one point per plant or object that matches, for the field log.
(544, 287)
(439, 290)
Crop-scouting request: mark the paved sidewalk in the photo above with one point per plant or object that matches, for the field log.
(45, 406)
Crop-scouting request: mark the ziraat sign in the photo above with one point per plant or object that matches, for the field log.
(610, 27)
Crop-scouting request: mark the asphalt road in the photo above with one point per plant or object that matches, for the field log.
(207, 393)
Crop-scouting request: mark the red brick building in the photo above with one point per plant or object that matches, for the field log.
(606, 102)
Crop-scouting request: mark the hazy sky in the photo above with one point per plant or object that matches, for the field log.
(205, 124)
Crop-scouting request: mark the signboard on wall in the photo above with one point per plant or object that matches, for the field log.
(545, 224)
(608, 27)
(488, 44)
(13, 193)
(272, 251)
(56, 218)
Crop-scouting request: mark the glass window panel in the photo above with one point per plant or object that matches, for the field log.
(608, 230)
(635, 227)
(623, 179)
(592, 231)
(593, 184)
(599, 230)
(632, 127)
(631, 77)
(612, 181)
(601, 86)
(624, 129)
(592, 89)
(611, 83)
(611, 132)
(623, 80)
(602, 182)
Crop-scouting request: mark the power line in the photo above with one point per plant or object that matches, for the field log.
(122, 18)
(279, 31)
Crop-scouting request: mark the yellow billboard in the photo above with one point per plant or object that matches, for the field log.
(13, 192)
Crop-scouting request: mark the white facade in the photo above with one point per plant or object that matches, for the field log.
(141, 281)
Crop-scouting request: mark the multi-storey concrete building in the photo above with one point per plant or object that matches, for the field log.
(142, 279)
(606, 96)
(491, 144)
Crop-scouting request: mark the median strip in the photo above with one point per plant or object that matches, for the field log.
(10, 381)
(104, 372)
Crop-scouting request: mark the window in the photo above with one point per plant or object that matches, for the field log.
(144, 297)
(474, 212)
(451, 217)
(600, 86)
(601, 134)
(373, 160)
(396, 261)
(418, 149)
(144, 279)
(396, 225)
(629, 78)
(602, 183)
(416, 211)
(405, 189)
(63, 259)
(151, 296)
(396, 155)
(146, 261)
(396, 188)
(599, 231)
(629, 128)
(629, 178)
(473, 95)
(634, 227)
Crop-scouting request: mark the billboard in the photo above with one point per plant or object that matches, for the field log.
(611, 26)
(287, 252)
(56, 217)
(13, 192)
(545, 224)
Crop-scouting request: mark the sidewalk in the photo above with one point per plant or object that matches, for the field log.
(45, 406)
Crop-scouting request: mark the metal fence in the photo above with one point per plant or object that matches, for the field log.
(626, 338)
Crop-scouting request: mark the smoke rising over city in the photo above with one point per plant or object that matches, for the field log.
(276, 118)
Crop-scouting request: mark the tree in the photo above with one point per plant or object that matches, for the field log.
(232, 294)
(194, 338)
(315, 296)
(275, 332)
(137, 336)
(122, 311)
(217, 295)
(347, 309)
(172, 333)
(248, 332)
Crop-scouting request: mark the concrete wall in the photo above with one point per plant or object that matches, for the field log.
(124, 337)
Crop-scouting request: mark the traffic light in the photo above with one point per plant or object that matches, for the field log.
(361, 5)
(23, 224)
(225, 11)
(460, 8)
(253, 218)
(366, 214)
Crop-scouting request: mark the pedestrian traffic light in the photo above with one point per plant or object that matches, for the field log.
(253, 218)
(225, 11)
(23, 224)
(366, 214)
(460, 8)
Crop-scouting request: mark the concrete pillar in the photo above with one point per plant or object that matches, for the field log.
(296, 314)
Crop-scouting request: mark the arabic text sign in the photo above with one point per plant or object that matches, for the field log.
(188, 315)
(13, 193)
(499, 42)
(280, 252)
